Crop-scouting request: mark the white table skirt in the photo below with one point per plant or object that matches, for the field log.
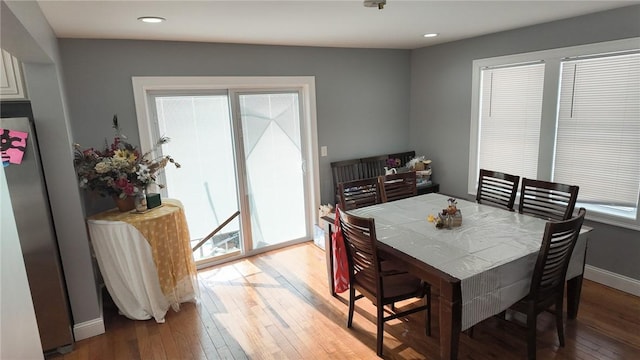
(493, 253)
(127, 266)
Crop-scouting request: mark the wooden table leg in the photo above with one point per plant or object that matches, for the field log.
(574, 287)
(450, 319)
(328, 250)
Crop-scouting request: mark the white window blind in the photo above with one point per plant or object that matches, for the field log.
(510, 113)
(598, 130)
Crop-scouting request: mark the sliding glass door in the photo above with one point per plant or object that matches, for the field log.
(242, 179)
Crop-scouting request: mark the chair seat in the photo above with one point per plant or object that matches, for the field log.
(396, 286)
(522, 306)
(391, 266)
(402, 285)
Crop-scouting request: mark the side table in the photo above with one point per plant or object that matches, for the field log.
(145, 259)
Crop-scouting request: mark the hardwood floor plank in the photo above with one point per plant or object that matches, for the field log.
(226, 345)
(100, 347)
(142, 335)
(277, 306)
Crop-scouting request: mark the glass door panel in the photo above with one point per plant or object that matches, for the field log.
(202, 142)
(275, 183)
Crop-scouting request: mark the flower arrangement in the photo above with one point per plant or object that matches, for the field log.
(119, 170)
(393, 162)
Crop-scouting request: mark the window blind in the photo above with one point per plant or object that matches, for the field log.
(510, 113)
(598, 129)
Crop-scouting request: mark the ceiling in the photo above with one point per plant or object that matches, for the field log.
(343, 23)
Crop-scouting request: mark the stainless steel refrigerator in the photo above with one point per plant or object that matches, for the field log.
(30, 201)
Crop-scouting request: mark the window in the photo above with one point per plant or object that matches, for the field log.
(582, 104)
(598, 131)
(510, 119)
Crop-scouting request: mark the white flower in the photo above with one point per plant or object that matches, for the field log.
(103, 167)
(143, 173)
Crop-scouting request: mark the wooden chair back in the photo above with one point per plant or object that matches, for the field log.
(362, 255)
(347, 170)
(398, 186)
(547, 200)
(359, 193)
(559, 239)
(497, 188)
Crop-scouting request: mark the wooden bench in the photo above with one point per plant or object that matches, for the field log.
(373, 166)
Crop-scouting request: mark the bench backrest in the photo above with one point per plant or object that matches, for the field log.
(364, 168)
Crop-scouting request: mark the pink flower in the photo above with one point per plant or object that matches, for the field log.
(128, 190)
(122, 183)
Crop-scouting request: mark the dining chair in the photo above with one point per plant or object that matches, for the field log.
(547, 200)
(497, 188)
(347, 170)
(549, 275)
(398, 186)
(381, 281)
(358, 193)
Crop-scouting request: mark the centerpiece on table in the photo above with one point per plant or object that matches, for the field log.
(449, 217)
(120, 171)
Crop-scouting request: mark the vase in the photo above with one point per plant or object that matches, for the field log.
(126, 204)
(141, 202)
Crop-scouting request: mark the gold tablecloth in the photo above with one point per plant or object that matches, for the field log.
(165, 228)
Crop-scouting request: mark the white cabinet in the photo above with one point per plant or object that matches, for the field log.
(11, 83)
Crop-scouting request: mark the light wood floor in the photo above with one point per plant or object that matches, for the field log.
(277, 306)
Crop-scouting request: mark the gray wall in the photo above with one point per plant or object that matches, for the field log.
(27, 35)
(362, 95)
(441, 109)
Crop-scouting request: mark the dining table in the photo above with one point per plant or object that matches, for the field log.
(477, 269)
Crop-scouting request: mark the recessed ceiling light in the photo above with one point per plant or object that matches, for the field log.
(151, 19)
(375, 3)
(430, 35)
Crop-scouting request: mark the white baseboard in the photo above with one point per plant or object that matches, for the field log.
(87, 329)
(616, 281)
(91, 328)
